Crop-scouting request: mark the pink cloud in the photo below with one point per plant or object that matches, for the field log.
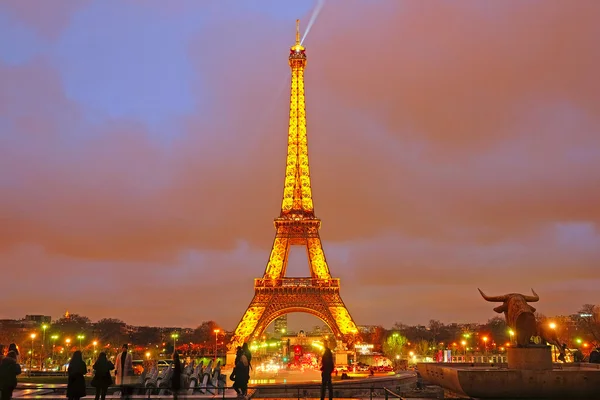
(49, 19)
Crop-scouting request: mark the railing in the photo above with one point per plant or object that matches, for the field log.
(296, 282)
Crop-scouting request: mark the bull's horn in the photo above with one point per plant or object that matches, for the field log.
(532, 299)
(493, 298)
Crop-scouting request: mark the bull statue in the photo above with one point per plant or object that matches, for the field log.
(521, 319)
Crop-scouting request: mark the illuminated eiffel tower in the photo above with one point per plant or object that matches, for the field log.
(275, 294)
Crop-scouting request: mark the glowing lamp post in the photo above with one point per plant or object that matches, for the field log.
(94, 343)
(464, 343)
(552, 326)
(216, 341)
(174, 335)
(80, 337)
(68, 343)
(485, 339)
(512, 335)
(44, 327)
(31, 359)
(53, 337)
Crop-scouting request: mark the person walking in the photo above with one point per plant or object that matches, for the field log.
(9, 369)
(102, 379)
(176, 377)
(76, 377)
(238, 373)
(242, 373)
(326, 370)
(123, 370)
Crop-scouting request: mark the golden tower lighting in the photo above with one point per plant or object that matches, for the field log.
(275, 294)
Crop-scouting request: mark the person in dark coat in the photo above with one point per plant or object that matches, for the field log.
(102, 379)
(326, 370)
(237, 379)
(13, 347)
(248, 354)
(176, 377)
(241, 374)
(76, 380)
(9, 369)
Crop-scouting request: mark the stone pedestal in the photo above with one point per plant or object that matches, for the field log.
(530, 358)
(341, 358)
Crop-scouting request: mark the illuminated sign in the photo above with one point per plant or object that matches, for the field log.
(363, 348)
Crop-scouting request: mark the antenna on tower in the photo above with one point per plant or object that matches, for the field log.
(297, 31)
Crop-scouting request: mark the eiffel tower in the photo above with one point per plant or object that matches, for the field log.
(275, 294)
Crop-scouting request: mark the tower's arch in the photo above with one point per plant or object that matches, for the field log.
(288, 310)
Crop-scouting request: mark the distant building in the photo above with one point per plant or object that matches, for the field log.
(38, 319)
(280, 325)
(367, 328)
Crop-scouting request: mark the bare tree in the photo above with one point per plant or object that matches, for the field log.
(588, 321)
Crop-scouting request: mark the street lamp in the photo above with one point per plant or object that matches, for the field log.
(44, 327)
(485, 339)
(68, 342)
(95, 343)
(80, 337)
(512, 334)
(31, 359)
(216, 331)
(174, 335)
(464, 343)
(552, 326)
(53, 337)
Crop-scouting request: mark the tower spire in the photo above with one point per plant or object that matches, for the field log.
(297, 194)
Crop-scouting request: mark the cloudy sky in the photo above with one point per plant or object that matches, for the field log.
(453, 145)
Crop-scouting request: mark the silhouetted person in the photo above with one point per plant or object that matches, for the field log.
(13, 347)
(124, 370)
(595, 356)
(9, 369)
(102, 379)
(176, 377)
(237, 379)
(326, 370)
(76, 381)
(248, 354)
(242, 374)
